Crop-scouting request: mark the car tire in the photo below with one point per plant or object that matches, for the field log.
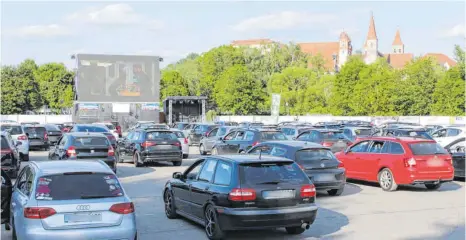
(386, 180)
(170, 208)
(185, 156)
(433, 186)
(336, 192)
(295, 230)
(212, 227)
(214, 151)
(136, 160)
(202, 150)
(177, 163)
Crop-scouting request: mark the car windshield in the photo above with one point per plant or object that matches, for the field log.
(179, 134)
(314, 155)
(273, 136)
(13, 130)
(4, 143)
(161, 136)
(85, 185)
(91, 129)
(205, 128)
(222, 131)
(363, 132)
(35, 130)
(262, 173)
(90, 141)
(333, 135)
(427, 148)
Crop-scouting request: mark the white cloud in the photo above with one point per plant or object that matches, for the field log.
(114, 14)
(51, 30)
(283, 20)
(456, 31)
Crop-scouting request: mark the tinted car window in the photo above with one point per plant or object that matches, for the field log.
(363, 132)
(278, 151)
(223, 174)
(207, 171)
(360, 147)
(91, 129)
(451, 132)
(427, 148)
(332, 135)
(205, 128)
(261, 173)
(57, 187)
(13, 130)
(222, 131)
(161, 136)
(249, 136)
(5, 144)
(51, 127)
(178, 134)
(396, 148)
(90, 141)
(35, 130)
(273, 136)
(314, 155)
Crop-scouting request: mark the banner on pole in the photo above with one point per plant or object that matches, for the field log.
(275, 111)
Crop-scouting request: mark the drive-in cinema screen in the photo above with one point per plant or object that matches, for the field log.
(117, 78)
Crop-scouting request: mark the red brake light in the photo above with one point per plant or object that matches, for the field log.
(185, 141)
(38, 212)
(341, 165)
(71, 152)
(449, 160)
(122, 208)
(308, 190)
(148, 144)
(46, 137)
(23, 137)
(327, 144)
(111, 152)
(409, 162)
(242, 194)
(255, 143)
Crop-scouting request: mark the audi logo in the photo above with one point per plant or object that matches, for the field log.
(83, 207)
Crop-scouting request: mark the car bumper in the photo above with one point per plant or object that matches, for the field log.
(110, 161)
(327, 179)
(240, 219)
(162, 157)
(36, 144)
(459, 172)
(421, 178)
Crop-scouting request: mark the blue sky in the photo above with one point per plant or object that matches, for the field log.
(52, 31)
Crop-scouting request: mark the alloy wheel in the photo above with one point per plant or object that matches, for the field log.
(210, 222)
(386, 179)
(168, 204)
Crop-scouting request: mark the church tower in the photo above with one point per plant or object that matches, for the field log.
(371, 48)
(397, 46)
(345, 49)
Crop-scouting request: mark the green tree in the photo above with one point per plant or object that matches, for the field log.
(449, 94)
(30, 87)
(56, 85)
(173, 84)
(460, 59)
(13, 98)
(237, 92)
(319, 93)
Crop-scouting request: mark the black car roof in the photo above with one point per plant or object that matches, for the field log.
(85, 134)
(243, 158)
(296, 144)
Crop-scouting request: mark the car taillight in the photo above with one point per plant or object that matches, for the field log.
(148, 144)
(308, 190)
(178, 144)
(341, 165)
(185, 141)
(327, 144)
(38, 212)
(46, 137)
(23, 137)
(71, 151)
(118, 128)
(242, 194)
(255, 143)
(410, 162)
(449, 160)
(111, 152)
(122, 208)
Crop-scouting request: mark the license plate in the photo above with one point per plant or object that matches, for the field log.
(278, 194)
(324, 178)
(83, 217)
(164, 146)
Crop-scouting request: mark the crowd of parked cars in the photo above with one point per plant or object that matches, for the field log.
(249, 175)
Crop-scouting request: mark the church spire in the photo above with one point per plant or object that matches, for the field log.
(372, 35)
(397, 40)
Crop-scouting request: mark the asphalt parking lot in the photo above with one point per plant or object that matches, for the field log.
(363, 211)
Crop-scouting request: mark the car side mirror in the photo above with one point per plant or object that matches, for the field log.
(177, 175)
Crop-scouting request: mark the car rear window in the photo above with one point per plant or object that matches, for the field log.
(91, 129)
(273, 136)
(261, 173)
(161, 136)
(4, 143)
(333, 135)
(78, 186)
(90, 141)
(13, 130)
(427, 148)
(222, 131)
(35, 130)
(52, 128)
(179, 134)
(363, 132)
(314, 155)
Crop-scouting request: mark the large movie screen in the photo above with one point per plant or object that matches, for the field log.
(117, 78)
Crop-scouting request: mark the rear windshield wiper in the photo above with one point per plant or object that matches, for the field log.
(95, 196)
(270, 182)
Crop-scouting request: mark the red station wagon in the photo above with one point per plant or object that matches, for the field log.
(398, 160)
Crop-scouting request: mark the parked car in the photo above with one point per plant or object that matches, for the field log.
(327, 125)
(53, 133)
(351, 133)
(187, 129)
(446, 135)
(241, 140)
(18, 134)
(432, 128)
(393, 161)
(10, 159)
(457, 150)
(112, 129)
(332, 138)
(154, 126)
(242, 192)
(84, 146)
(317, 161)
(44, 206)
(150, 145)
(30, 123)
(226, 123)
(403, 132)
(183, 140)
(7, 187)
(199, 131)
(207, 143)
(180, 125)
(139, 124)
(292, 131)
(38, 137)
(67, 126)
(95, 129)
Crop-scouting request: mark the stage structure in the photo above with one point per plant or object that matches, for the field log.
(185, 109)
(123, 88)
